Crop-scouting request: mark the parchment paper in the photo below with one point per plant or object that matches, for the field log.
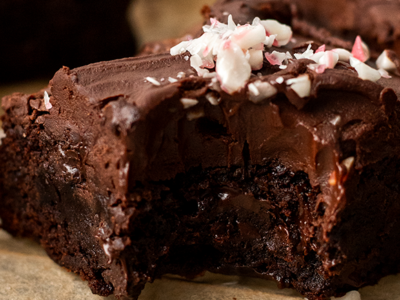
(26, 273)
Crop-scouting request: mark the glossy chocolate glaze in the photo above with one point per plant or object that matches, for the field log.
(136, 186)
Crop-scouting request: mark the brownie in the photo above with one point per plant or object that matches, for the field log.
(40, 36)
(376, 21)
(131, 169)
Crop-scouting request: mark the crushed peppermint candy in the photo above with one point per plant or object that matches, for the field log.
(172, 80)
(301, 85)
(278, 58)
(348, 163)
(384, 62)
(329, 59)
(306, 54)
(364, 71)
(384, 73)
(229, 53)
(319, 69)
(153, 81)
(360, 50)
(233, 50)
(321, 49)
(181, 75)
(187, 103)
(259, 90)
(46, 99)
(344, 55)
(214, 100)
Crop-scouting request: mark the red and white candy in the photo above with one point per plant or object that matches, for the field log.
(360, 50)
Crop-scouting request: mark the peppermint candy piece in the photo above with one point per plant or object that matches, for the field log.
(301, 85)
(384, 62)
(259, 90)
(364, 71)
(233, 69)
(360, 50)
(283, 32)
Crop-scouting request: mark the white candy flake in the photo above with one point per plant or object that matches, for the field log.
(172, 80)
(187, 103)
(348, 163)
(259, 91)
(283, 32)
(255, 59)
(212, 99)
(233, 69)
(46, 99)
(306, 54)
(336, 120)
(181, 75)
(384, 62)
(301, 85)
(364, 71)
(153, 81)
(344, 55)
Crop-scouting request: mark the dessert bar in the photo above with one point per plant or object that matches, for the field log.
(250, 150)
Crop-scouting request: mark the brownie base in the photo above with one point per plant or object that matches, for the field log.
(257, 221)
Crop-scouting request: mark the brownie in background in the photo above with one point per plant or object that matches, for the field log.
(38, 37)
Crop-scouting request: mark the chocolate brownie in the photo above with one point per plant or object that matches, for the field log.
(130, 169)
(40, 36)
(376, 21)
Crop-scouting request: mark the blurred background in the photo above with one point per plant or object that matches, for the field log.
(40, 36)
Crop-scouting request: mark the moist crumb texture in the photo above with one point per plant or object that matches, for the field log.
(294, 177)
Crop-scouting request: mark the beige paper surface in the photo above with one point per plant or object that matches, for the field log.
(26, 273)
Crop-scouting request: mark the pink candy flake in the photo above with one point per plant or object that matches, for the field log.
(319, 69)
(207, 64)
(359, 50)
(329, 59)
(214, 22)
(321, 49)
(384, 74)
(206, 51)
(227, 45)
(272, 59)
